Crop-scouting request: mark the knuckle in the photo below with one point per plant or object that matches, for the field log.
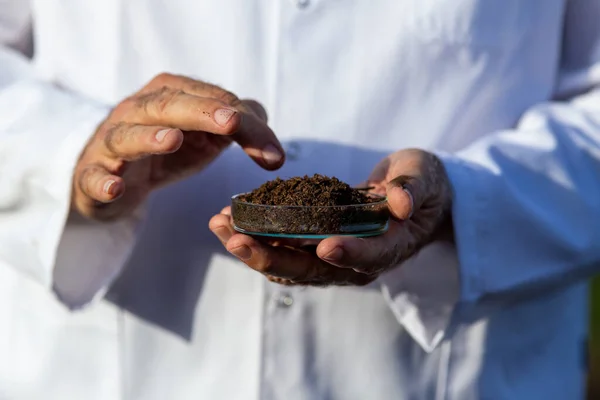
(221, 94)
(228, 98)
(86, 179)
(115, 136)
(126, 104)
(143, 101)
(121, 109)
(155, 101)
(162, 78)
(256, 108)
(200, 87)
(100, 134)
(164, 98)
(217, 92)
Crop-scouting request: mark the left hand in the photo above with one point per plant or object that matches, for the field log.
(419, 200)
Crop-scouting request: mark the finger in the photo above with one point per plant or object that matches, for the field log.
(205, 89)
(226, 210)
(131, 142)
(369, 255)
(309, 245)
(257, 108)
(275, 261)
(281, 281)
(220, 225)
(295, 265)
(259, 142)
(401, 203)
(253, 134)
(178, 109)
(380, 171)
(192, 86)
(406, 194)
(98, 185)
(294, 244)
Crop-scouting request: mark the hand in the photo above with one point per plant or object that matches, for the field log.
(419, 200)
(174, 127)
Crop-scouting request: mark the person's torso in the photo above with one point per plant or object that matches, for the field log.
(344, 83)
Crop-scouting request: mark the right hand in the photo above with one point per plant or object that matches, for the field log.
(174, 127)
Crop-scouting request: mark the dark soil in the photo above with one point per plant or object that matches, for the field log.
(327, 198)
(318, 190)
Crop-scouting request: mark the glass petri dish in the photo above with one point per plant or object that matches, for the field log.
(310, 222)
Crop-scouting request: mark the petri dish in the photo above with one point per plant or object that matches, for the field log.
(310, 222)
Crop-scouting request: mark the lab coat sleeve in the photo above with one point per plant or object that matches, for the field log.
(43, 130)
(526, 205)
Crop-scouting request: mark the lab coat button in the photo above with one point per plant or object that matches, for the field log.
(302, 3)
(285, 300)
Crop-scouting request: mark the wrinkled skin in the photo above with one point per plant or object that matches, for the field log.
(172, 128)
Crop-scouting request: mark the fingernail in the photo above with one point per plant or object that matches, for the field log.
(160, 135)
(243, 252)
(271, 155)
(400, 192)
(109, 187)
(223, 115)
(412, 203)
(334, 255)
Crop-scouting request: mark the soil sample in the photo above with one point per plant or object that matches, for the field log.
(316, 205)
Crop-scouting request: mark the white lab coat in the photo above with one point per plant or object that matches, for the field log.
(153, 308)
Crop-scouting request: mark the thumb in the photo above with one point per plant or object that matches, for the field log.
(405, 196)
(256, 108)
